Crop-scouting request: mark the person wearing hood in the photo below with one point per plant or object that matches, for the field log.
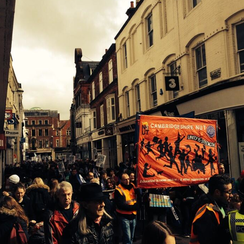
(12, 216)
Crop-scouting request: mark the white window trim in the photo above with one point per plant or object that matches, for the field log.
(100, 82)
(110, 71)
(102, 115)
(110, 107)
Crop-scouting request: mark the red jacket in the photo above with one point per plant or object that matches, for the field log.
(56, 223)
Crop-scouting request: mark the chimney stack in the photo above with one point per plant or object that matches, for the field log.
(131, 10)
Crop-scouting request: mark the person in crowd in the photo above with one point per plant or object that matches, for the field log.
(89, 176)
(221, 168)
(235, 202)
(186, 196)
(11, 182)
(207, 224)
(76, 180)
(103, 176)
(157, 232)
(21, 198)
(92, 224)
(238, 181)
(235, 222)
(39, 196)
(113, 176)
(132, 178)
(126, 207)
(53, 188)
(12, 219)
(64, 211)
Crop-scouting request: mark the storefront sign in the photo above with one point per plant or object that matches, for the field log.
(8, 114)
(175, 151)
(11, 133)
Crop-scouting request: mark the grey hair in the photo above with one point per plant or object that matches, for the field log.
(63, 186)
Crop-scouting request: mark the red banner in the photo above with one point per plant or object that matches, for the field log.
(176, 151)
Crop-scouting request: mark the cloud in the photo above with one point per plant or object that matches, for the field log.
(45, 34)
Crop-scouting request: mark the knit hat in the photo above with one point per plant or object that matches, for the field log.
(14, 179)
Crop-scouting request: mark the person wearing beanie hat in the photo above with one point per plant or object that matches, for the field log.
(14, 179)
(92, 224)
(11, 182)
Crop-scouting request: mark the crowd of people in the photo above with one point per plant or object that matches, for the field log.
(60, 203)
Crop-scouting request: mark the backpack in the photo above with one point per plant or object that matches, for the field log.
(17, 235)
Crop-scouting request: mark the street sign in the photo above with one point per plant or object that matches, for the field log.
(11, 133)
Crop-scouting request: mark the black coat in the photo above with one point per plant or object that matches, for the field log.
(98, 234)
(39, 199)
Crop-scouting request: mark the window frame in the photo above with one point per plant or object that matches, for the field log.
(201, 65)
(110, 71)
(100, 82)
(111, 109)
(125, 56)
(153, 90)
(101, 115)
(127, 103)
(138, 98)
(149, 30)
(240, 47)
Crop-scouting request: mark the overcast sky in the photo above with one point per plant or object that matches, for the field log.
(45, 34)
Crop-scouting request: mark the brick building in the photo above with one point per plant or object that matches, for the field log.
(46, 134)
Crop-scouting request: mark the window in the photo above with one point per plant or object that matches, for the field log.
(101, 116)
(94, 119)
(127, 103)
(26, 122)
(46, 122)
(68, 132)
(40, 144)
(153, 90)
(110, 109)
(40, 132)
(201, 66)
(57, 143)
(193, 3)
(240, 45)
(57, 133)
(100, 82)
(33, 122)
(46, 132)
(33, 133)
(125, 56)
(172, 69)
(110, 71)
(46, 143)
(138, 98)
(149, 30)
(40, 122)
(93, 90)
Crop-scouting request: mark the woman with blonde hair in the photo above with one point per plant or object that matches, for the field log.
(12, 218)
(38, 192)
